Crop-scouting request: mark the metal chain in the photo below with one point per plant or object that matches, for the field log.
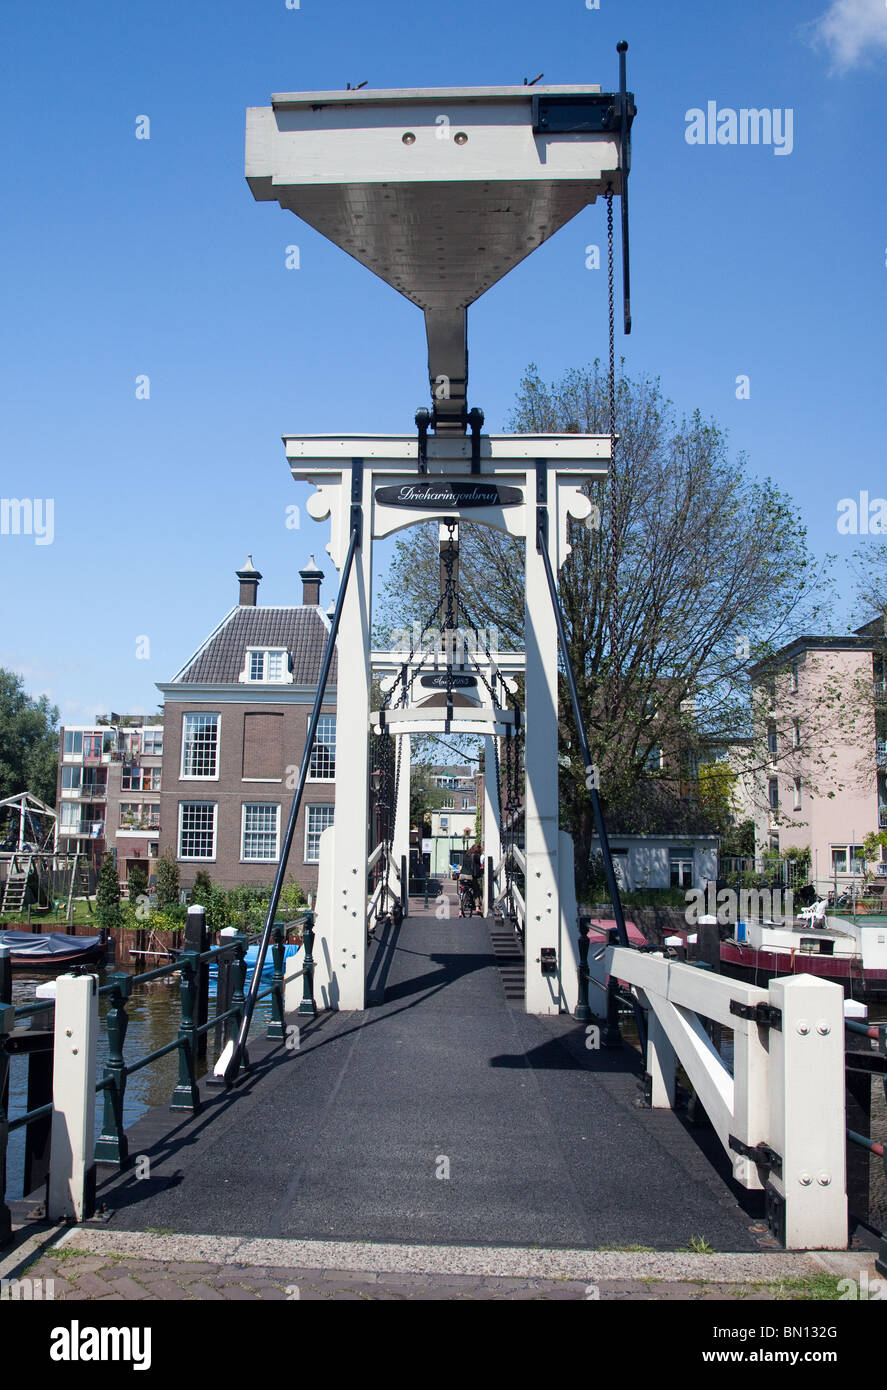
(612, 575)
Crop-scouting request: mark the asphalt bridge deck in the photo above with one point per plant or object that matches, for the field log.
(442, 1113)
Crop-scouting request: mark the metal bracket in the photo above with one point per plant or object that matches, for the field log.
(423, 420)
(541, 503)
(357, 498)
(766, 1014)
(475, 420)
(761, 1154)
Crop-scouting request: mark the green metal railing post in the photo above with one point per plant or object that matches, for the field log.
(112, 1145)
(277, 1026)
(238, 993)
(186, 1095)
(308, 1008)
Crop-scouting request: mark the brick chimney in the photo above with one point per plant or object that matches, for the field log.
(311, 578)
(249, 584)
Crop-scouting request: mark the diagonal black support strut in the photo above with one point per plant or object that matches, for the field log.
(255, 985)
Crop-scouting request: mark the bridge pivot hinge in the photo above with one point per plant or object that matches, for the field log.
(767, 1014)
(761, 1154)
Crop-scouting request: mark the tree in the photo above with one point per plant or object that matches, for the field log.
(28, 741)
(107, 899)
(869, 567)
(137, 882)
(167, 882)
(670, 593)
(425, 796)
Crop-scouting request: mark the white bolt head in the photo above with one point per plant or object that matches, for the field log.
(804, 1179)
(823, 1028)
(803, 1027)
(824, 1179)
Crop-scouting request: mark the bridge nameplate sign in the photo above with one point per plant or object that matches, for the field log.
(434, 494)
(438, 681)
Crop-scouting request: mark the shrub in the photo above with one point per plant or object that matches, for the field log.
(107, 901)
(137, 883)
(167, 882)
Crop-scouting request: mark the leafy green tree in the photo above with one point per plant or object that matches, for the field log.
(425, 797)
(167, 882)
(28, 741)
(108, 911)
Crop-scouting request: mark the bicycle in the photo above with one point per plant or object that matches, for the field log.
(467, 899)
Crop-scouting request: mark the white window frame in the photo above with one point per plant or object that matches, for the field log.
(797, 794)
(849, 860)
(796, 733)
(773, 803)
(153, 735)
(684, 859)
(198, 858)
(317, 744)
(318, 806)
(259, 858)
(200, 776)
(247, 678)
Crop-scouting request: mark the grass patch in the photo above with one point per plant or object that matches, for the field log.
(818, 1287)
(699, 1246)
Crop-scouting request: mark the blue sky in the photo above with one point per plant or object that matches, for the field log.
(125, 257)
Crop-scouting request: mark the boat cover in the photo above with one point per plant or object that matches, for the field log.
(54, 943)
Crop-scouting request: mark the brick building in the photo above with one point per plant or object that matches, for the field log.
(235, 722)
(108, 790)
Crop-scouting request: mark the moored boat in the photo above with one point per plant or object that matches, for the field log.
(52, 952)
(852, 952)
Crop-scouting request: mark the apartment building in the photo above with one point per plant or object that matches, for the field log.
(235, 724)
(821, 703)
(108, 789)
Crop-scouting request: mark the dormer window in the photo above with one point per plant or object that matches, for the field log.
(268, 665)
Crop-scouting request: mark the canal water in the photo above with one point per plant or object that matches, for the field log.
(154, 1011)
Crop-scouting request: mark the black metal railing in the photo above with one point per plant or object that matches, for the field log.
(863, 1065)
(111, 1144)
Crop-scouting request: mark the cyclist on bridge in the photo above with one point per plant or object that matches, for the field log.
(470, 879)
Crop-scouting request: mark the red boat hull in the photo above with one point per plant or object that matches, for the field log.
(759, 967)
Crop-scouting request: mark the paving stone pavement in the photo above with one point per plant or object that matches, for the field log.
(77, 1276)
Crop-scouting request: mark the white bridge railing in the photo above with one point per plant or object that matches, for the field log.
(388, 891)
(500, 889)
(779, 1113)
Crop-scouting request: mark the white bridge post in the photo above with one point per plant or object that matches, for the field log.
(400, 840)
(72, 1148)
(541, 753)
(807, 1111)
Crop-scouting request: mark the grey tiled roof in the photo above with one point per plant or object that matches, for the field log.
(301, 630)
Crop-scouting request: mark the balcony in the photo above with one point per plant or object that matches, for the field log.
(880, 692)
(84, 829)
(140, 823)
